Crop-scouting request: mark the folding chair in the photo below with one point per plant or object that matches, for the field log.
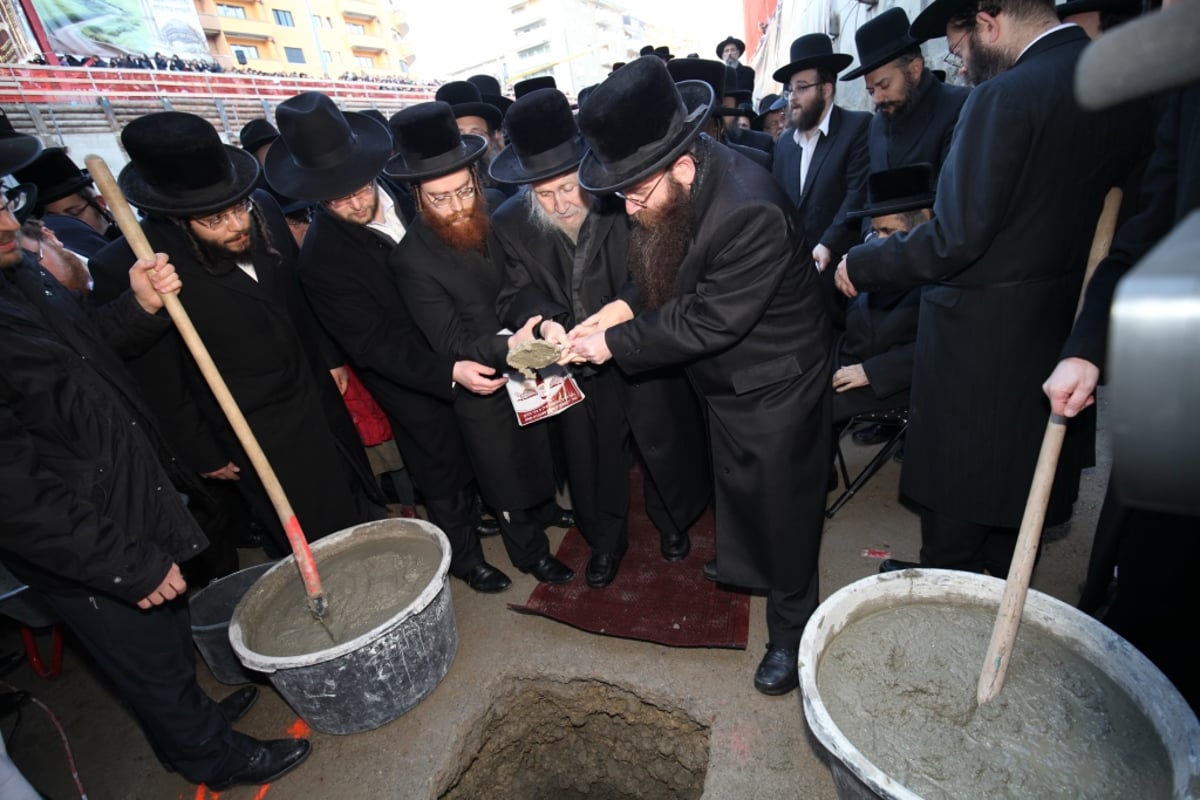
(893, 416)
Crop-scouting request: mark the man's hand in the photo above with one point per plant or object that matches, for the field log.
(229, 472)
(822, 256)
(171, 587)
(1072, 386)
(841, 279)
(477, 378)
(613, 313)
(850, 377)
(526, 333)
(149, 278)
(341, 377)
(592, 348)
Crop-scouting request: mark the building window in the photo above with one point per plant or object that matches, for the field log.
(533, 26)
(531, 52)
(283, 18)
(247, 50)
(355, 27)
(295, 55)
(364, 61)
(237, 12)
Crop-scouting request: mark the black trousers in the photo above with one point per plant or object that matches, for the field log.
(950, 543)
(149, 661)
(455, 515)
(524, 537)
(788, 613)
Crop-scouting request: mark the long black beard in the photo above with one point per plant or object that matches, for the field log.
(657, 246)
(985, 63)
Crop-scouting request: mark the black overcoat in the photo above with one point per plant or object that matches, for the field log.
(451, 295)
(922, 134)
(1016, 208)
(750, 325)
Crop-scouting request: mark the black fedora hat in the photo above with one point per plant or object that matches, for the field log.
(543, 138)
(323, 153)
(714, 73)
(522, 88)
(55, 175)
(741, 46)
(256, 133)
(1072, 7)
(812, 51)
(616, 65)
(16, 149)
(465, 100)
(180, 167)
(764, 108)
(637, 122)
(880, 41)
(428, 143)
(664, 53)
(490, 92)
(891, 191)
(931, 23)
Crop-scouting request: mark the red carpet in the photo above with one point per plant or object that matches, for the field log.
(651, 599)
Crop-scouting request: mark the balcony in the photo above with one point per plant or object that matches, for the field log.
(360, 9)
(209, 22)
(247, 28)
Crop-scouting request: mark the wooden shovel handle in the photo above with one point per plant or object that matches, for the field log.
(136, 238)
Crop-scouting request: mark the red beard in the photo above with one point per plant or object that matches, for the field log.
(462, 230)
(658, 242)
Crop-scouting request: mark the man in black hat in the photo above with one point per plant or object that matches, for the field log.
(256, 137)
(1016, 206)
(822, 163)
(915, 113)
(726, 289)
(233, 247)
(477, 118)
(564, 252)
(522, 88)
(343, 269)
(68, 203)
(770, 116)
(717, 75)
(730, 50)
(449, 285)
(88, 515)
(489, 92)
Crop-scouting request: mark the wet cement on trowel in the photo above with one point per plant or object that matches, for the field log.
(366, 585)
(900, 684)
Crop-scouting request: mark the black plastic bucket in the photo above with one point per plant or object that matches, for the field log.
(212, 608)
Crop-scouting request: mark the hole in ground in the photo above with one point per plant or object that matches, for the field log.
(580, 740)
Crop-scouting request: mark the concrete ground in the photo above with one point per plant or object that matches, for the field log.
(757, 746)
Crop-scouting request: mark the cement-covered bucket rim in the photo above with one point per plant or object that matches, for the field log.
(1149, 689)
(265, 663)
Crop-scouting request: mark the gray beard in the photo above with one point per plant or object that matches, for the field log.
(546, 223)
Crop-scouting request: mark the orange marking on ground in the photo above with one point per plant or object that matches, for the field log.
(262, 791)
(299, 729)
(740, 741)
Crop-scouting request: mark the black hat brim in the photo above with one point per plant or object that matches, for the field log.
(372, 148)
(741, 46)
(499, 101)
(30, 190)
(834, 62)
(902, 46)
(931, 23)
(698, 100)
(896, 206)
(468, 151)
(1073, 7)
(17, 151)
(485, 111)
(258, 141)
(506, 167)
(211, 199)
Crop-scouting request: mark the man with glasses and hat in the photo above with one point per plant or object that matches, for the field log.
(449, 284)
(334, 160)
(1002, 263)
(231, 244)
(474, 116)
(68, 203)
(725, 289)
(822, 163)
(564, 252)
(89, 516)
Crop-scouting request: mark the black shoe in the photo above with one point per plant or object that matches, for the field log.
(235, 706)
(485, 578)
(895, 565)
(488, 526)
(272, 760)
(601, 569)
(675, 546)
(710, 570)
(873, 434)
(550, 570)
(777, 672)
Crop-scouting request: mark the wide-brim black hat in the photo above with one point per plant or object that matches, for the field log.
(1072, 7)
(429, 144)
(664, 53)
(256, 133)
(522, 88)
(55, 175)
(892, 191)
(880, 41)
(812, 51)
(931, 23)
(741, 46)
(16, 149)
(715, 73)
(490, 92)
(637, 122)
(764, 107)
(323, 153)
(180, 167)
(543, 139)
(465, 100)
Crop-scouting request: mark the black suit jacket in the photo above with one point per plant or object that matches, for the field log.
(1016, 207)
(922, 135)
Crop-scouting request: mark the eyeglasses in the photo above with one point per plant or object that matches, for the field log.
(442, 200)
(642, 203)
(357, 194)
(215, 221)
(14, 203)
(803, 87)
(953, 59)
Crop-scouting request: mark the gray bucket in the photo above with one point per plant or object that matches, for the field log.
(373, 678)
(857, 778)
(211, 609)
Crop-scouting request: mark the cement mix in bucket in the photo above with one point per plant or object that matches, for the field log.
(900, 684)
(366, 584)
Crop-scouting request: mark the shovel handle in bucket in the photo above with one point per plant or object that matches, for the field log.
(136, 238)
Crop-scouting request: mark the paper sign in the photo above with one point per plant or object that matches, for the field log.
(552, 393)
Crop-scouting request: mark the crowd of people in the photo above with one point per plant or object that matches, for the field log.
(728, 285)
